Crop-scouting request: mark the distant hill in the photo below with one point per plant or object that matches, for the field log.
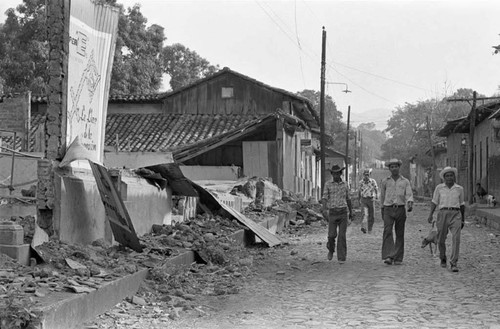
(378, 116)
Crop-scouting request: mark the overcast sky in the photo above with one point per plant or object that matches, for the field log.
(387, 52)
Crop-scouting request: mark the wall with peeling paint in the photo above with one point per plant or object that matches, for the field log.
(80, 216)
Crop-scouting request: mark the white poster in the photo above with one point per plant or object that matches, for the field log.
(92, 37)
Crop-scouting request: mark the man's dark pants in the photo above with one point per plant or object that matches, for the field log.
(368, 203)
(337, 220)
(394, 217)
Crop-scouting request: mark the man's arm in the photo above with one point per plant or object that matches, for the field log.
(433, 208)
(382, 193)
(409, 196)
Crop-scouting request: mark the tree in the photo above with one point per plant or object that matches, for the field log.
(372, 141)
(137, 61)
(24, 48)
(140, 58)
(185, 66)
(334, 126)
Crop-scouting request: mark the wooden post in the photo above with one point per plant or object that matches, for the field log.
(355, 162)
(434, 166)
(472, 165)
(347, 145)
(322, 110)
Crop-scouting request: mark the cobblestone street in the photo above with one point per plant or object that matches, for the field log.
(296, 287)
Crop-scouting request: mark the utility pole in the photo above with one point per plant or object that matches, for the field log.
(355, 166)
(472, 165)
(322, 110)
(434, 166)
(347, 145)
(360, 150)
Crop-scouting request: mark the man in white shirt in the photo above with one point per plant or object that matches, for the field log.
(449, 199)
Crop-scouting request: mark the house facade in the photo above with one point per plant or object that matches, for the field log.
(485, 164)
(225, 120)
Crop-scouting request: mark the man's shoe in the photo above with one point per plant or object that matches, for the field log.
(363, 230)
(388, 261)
(330, 255)
(454, 268)
(443, 262)
(341, 261)
(398, 262)
(369, 232)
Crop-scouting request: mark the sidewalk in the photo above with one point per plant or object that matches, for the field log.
(490, 216)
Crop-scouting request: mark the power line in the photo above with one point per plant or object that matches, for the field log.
(300, 47)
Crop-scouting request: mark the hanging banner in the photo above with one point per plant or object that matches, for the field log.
(93, 28)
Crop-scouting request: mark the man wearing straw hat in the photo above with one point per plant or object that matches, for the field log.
(395, 195)
(368, 190)
(336, 201)
(449, 199)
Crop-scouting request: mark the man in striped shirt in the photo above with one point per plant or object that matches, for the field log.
(368, 190)
(336, 203)
(449, 199)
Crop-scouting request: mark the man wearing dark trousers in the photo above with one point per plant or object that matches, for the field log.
(395, 196)
(336, 202)
(449, 198)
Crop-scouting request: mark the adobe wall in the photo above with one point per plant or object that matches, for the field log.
(80, 216)
(204, 173)
(133, 160)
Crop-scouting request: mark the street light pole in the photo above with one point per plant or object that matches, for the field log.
(322, 111)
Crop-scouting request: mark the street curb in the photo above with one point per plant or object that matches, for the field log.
(67, 310)
(490, 216)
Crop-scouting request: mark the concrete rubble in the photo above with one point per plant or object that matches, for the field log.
(220, 260)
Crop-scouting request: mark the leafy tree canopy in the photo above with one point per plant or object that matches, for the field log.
(408, 130)
(372, 141)
(185, 66)
(140, 58)
(334, 127)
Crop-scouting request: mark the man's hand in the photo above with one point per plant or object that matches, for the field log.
(463, 224)
(410, 206)
(430, 218)
(349, 220)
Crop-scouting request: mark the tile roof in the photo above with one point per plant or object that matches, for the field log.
(483, 112)
(148, 98)
(158, 132)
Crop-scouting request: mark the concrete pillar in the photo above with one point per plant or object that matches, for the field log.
(11, 242)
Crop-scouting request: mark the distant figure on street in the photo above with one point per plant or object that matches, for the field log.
(395, 194)
(449, 199)
(480, 191)
(368, 190)
(336, 202)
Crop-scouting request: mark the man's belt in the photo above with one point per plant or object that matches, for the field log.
(395, 206)
(449, 208)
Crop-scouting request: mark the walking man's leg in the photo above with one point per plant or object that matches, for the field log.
(332, 233)
(399, 228)
(387, 238)
(455, 229)
(342, 241)
(371, 216)
(364, 206)
(442, 232)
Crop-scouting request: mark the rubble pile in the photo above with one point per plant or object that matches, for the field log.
(82, 269)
